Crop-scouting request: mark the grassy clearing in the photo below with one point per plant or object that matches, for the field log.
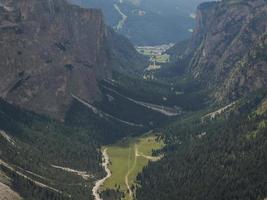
(124, 161)
(164, 58)
(159, 58)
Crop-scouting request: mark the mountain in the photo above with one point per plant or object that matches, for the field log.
(218, 158)
(218, 152)
(228, 48)
(54, 57)
(36, 154)
(53, 50)
(148, 22)
(71, 90)
(59, 103)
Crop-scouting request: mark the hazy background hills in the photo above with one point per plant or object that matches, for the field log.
(148, 22)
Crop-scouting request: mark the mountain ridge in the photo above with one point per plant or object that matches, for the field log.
(53, 50)
(228, 48)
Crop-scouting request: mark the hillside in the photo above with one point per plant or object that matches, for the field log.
(65, 44)
(79, 119)
(70, 50)
(123, 56)
(32, 145)
(228, 48)
(223, 158)
(217, 152)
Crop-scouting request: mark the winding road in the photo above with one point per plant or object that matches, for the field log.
(124, 17)
(103, 114)
(167, 111)
(100, 182)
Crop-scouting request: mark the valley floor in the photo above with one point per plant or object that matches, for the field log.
(126, 159)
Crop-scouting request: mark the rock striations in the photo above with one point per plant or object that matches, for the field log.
(228, 49)
(50, 50)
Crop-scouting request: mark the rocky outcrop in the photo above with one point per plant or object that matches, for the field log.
(228, 50)
(50, 50)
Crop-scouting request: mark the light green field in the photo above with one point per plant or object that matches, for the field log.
(164, 58)
(145, 52)
(127, 159)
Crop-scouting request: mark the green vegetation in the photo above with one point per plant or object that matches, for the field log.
(182, 92)
(127, 159)
(223, 158)
(123, 56)
(162, 58)
(40, 142)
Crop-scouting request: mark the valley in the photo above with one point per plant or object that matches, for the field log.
(116, 100)
(147, 22)
(127, 158)
(157, 55)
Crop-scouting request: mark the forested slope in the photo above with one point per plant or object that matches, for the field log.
(223, 158)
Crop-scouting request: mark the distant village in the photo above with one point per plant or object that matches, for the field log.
(157, 56)
(154, 50)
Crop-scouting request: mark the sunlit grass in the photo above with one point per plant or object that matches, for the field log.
(122, 161)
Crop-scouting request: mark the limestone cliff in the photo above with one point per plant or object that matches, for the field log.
(49, 51)
(228, 50)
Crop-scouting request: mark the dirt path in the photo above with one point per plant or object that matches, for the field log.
(137, 154)
(167, 111)
(124, 17)
(218, 112)
(27, 177)
(129, 172)
(103, 114)
(7, 137)
(83, 174)
(100, 182)
(151, 158)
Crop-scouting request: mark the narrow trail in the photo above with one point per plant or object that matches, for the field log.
(167, 111)
(103, 114)
(28, 178)
(124, 17)
(7, 137)
(137, 154)
(129, 172)
(82, 174)
(100, 182)
(218, 112)
(151, 158)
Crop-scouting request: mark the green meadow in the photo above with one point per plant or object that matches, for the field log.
(127, 159)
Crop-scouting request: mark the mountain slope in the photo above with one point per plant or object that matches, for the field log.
(218, 153)
(50, 50)
(228, 49)
(32, 145)
(123, 56)
(223, 158)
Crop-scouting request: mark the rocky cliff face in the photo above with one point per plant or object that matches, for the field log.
(228, 50)
(50, 50)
